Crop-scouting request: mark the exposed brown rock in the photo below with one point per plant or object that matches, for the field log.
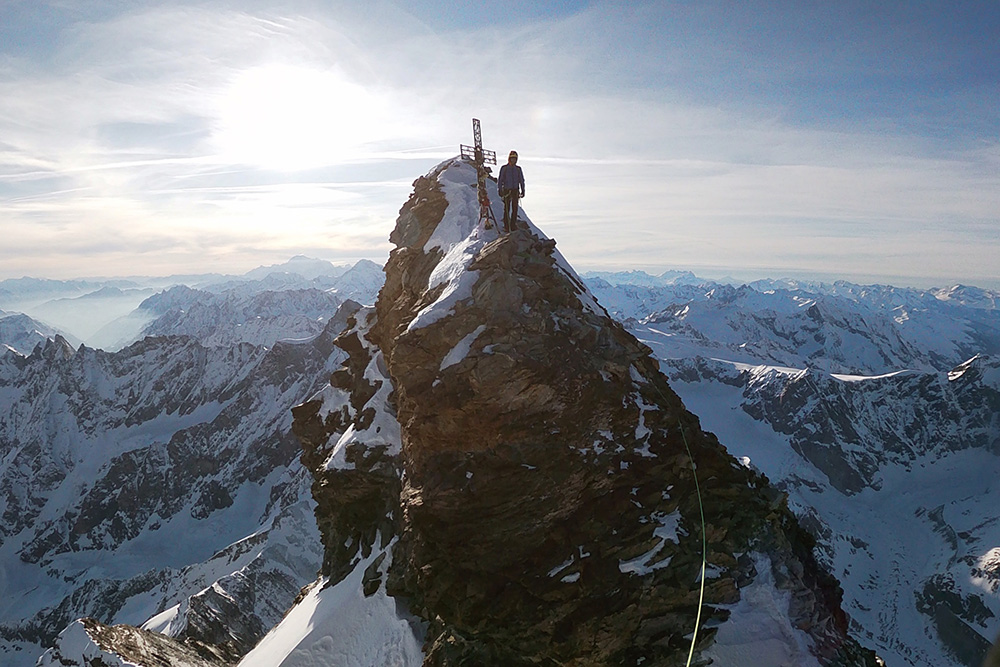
(140, 647)
(544, 494)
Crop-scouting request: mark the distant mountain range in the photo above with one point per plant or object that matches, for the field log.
(110, 314)
(840, 327)
(155, 482)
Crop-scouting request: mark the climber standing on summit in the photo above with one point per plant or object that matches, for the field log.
(510, 183)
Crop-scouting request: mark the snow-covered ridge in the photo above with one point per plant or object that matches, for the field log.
(382, 430)
(339, 623)
(460, 237)
(842, 329)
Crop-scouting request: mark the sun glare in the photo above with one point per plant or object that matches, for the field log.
(285, 117)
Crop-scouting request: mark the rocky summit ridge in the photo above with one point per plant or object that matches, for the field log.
(501, 475)
(507, 464)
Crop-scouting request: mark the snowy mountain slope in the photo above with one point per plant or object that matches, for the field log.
(340, 623)
(161, 454)
(263, 307)
(21, 333)
(840, 328)
(897, 476)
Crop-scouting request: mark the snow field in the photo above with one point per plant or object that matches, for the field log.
(878, 547)
(337, 625)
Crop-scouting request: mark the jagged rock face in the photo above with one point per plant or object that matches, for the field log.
(90, 643)
(231, 318)
(132, 477)
(882, 469)
(351, 444)
(850, 429)
(547, 510)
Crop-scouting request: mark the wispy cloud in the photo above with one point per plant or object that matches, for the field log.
(234, 133)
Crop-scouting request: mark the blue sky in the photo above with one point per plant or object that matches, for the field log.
(852, 140)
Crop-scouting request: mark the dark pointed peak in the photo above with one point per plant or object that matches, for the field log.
(54, 349)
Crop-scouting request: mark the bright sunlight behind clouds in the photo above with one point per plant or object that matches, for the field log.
(171, 137)
(288, 117)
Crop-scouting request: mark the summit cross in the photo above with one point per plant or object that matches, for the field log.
(480, 157)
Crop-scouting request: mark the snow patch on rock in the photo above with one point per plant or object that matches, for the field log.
(759, 631)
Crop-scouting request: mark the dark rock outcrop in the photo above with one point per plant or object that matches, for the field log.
(551, 497)
(90, 643)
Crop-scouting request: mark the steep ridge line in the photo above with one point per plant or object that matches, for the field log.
(540, 493)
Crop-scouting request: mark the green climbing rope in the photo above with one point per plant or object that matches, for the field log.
(704, 548)
(704, 540)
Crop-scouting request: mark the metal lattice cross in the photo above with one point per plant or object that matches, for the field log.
(480, 157)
